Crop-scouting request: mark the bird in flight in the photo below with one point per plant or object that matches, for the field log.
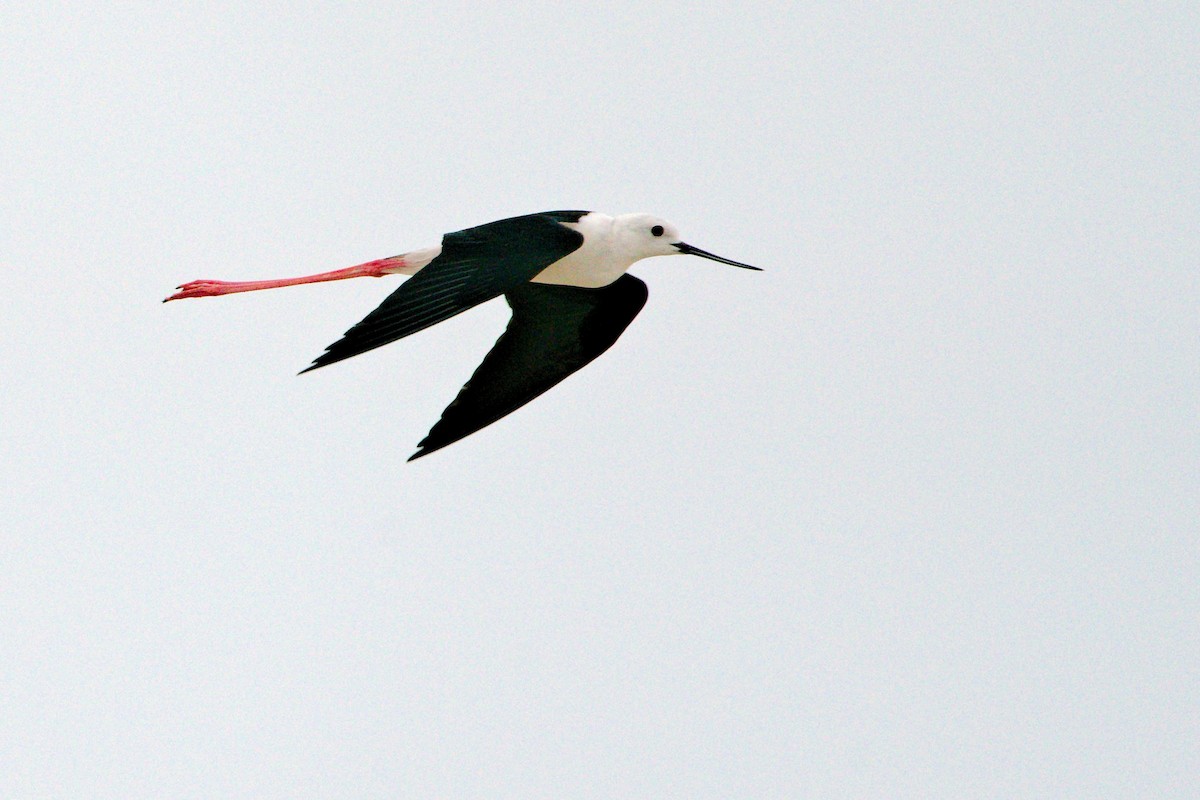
(563, 274)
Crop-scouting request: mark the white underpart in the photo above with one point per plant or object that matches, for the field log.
(610, 246)
(416, 259)
(596, 263)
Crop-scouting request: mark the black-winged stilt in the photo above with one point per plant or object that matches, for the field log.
(563, 274)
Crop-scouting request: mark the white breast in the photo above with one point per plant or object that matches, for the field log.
(595, 263)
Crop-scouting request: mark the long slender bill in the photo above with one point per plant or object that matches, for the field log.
(687, 249)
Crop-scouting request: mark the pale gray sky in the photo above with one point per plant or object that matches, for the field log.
(913, 513)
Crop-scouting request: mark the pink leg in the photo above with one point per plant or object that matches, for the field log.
(371, 269)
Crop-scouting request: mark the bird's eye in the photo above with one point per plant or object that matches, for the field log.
(657, 230)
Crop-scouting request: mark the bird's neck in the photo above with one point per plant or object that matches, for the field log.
(599, 261)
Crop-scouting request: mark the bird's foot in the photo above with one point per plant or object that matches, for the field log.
(204, 288)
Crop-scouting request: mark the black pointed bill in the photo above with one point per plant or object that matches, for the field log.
(687, 249)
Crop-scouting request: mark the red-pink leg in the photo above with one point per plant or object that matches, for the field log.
(207, 288)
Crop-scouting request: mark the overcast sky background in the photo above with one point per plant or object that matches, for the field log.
(912, 513)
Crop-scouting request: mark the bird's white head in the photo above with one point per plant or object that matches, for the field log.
(645, 235)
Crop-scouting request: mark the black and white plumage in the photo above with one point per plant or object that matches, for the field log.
(563, 274)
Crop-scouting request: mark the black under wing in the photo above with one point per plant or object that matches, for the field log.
(554, 331)
(475, 265)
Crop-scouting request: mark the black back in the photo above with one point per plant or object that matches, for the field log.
(475, 265)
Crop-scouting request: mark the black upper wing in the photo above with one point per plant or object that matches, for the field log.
(554, 331)
(475, 265)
